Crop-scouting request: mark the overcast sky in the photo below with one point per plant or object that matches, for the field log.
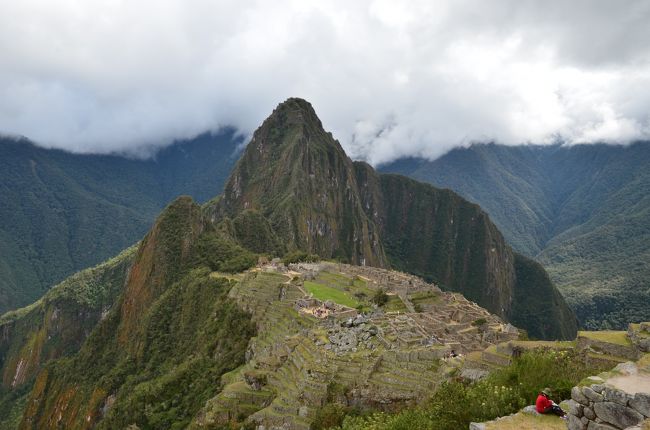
(388, 78)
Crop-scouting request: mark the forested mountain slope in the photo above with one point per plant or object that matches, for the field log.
(583, 211)
(63, 212)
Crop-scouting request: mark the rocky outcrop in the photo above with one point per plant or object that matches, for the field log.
(379, 360)
(58, 324)
(608, 407)
(296, 176)
(639, 334)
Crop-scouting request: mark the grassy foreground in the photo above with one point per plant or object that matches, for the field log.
(457, 403)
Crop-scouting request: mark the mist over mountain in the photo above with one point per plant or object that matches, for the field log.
(149, 336)
(64, 212)
(583, 211)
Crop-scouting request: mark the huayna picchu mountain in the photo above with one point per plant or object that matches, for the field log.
(182, 332)
(298, 178)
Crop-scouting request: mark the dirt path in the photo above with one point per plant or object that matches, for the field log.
(631, 384)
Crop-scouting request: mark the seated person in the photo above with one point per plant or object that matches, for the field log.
(545, 405)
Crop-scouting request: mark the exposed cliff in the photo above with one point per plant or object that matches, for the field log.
(56, 326)
(316, 199)
(162, 349)
(300, 179)
(166, 343)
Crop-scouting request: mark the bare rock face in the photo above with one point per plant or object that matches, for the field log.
(297, 177)
(641, 403)
(617, 414)
(592, 395)
(576, 394)
(574, 423)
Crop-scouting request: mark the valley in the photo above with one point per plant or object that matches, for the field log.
(314, 291)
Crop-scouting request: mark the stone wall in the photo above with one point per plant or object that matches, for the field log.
(599, 407)
(639, 334)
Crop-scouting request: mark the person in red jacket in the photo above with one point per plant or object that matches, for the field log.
(545, 405)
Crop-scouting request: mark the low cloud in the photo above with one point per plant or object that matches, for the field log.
(388, 78)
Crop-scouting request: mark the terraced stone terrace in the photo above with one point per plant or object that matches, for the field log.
(381, 356)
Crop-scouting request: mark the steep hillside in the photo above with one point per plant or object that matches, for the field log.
(54, 327)
(316, 199)
(168, 339)
(63, 212)
(189, 337)
(582, 211)
(298, 177)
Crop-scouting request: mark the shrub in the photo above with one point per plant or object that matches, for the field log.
(300, 257)
(223, 255)
(380, 298)
(479, 322)
(456, 403)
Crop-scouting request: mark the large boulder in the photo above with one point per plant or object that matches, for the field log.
(618, 396)
(574, 423)
(641, 403)
(592, 395)
(577, 395)
(617, 414)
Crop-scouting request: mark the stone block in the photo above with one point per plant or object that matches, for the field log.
(577, 395)
(641, 403)
(627, 368)
(530, 409)
(574, 423)
(476, 426)
(614, 395)
(617, 414)
(600, 426)
(574, 408)
(589, 413)
(592, 395)
(598, 388)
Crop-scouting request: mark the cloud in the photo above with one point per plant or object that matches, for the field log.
(388, 78)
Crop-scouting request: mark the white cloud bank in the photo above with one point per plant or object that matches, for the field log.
(388, 78)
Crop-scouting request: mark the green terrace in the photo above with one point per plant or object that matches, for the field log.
(323, 292)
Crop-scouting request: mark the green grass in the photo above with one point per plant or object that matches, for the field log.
(395, 304)
(527, 421)
(549, 344)
(609, 336)
(424, 298)
(323, 292)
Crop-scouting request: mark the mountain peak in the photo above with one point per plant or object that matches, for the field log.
(298, 176)
(292, 121)
(296, 106)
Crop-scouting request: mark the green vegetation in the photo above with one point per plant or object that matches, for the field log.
(300, 257)
(323, 292)
(608, 336)
(455, 404)
(380, 298)
(453, 250)
(223, 255)
(479, 322)
(64, 212)
(537, 304)
(582, 210)
(54, 327)
(394, 304)
(528, 421)
(424, 298)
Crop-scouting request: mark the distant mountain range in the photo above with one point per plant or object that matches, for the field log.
(583, 211)
(63, 212)
(151, 337)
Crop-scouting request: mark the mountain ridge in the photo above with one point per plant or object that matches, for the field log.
(64, 212)
(180, 321)
(582, 211)
(292, 160)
